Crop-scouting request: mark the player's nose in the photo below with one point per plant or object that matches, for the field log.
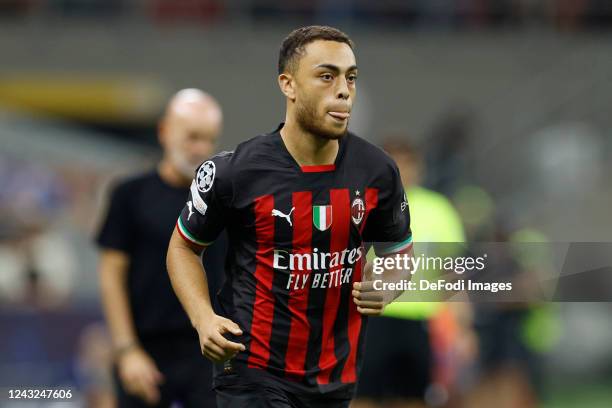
(342, 91)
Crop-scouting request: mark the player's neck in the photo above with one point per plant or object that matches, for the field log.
(171, 176)
(306, 148)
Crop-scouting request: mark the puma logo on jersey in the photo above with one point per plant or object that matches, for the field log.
(190, 208)
(277, 213)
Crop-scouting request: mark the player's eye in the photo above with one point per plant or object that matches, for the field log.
(352, 78)
(327, 77)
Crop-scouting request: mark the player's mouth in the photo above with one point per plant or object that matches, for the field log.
(341, 116)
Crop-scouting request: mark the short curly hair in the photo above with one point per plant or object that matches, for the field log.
(293, 45)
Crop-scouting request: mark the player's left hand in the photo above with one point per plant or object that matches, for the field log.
(369, 301)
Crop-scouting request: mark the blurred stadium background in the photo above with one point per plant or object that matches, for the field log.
(509, 100)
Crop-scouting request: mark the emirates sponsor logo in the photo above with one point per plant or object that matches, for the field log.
(318, 269)
(315, 260)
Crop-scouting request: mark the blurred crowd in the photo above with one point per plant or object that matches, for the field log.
(442, 14)
(37, 264)
(49, 314)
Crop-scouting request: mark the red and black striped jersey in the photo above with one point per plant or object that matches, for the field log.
(297, 241)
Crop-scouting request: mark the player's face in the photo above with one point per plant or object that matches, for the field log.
(325, 88)
(189, 139)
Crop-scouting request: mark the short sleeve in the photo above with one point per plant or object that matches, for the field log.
(388, 226)
(210, 196)
(117, 230)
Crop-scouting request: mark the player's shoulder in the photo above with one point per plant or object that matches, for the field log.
(221, 160)
(227, 164)
(362, 151)
(216, 170)
(227, 171)
(257, 153)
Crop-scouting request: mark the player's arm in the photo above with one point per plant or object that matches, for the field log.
(199, 224)
(137, 370)
(388, 229)
(372, 301)
(190, 284)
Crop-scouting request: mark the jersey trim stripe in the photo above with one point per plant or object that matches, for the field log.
(318, 169)
(340, 228)
(395, 247)
(299, 330)
(263, 306)
(187, 236)
(355, 321)
(349, 371)
(279, 338)
(371, 202)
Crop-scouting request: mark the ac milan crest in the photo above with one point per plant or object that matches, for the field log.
(357, 210)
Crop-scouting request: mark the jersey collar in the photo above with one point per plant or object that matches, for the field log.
(312, 169)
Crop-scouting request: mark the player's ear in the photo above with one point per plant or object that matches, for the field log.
(287, 85)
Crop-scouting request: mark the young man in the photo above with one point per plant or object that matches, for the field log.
(157, 351)
(298, 205)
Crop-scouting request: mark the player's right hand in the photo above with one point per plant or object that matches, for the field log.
(139, 375)
(213, 344)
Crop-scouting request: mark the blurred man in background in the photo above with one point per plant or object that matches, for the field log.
(157, 352)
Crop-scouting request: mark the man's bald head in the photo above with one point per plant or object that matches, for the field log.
(194, 104)
(189, 129)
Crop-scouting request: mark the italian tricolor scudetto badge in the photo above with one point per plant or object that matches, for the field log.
(322, 216)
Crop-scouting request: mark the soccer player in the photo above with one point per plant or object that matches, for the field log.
(156, 349)
(298, 205)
